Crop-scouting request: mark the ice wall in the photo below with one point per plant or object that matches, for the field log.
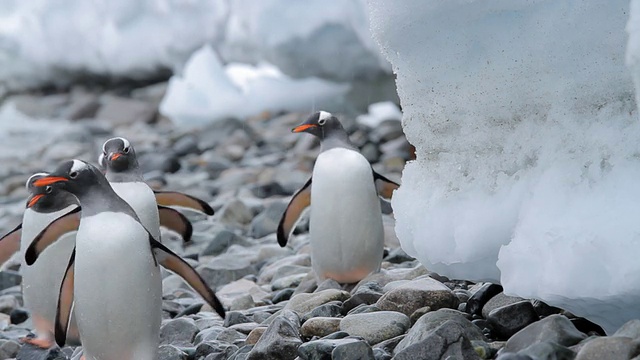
(526, 134)
(44, 41)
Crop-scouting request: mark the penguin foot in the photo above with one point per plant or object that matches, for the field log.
(42, 343)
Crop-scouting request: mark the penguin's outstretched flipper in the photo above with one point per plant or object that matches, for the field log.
(300, 201)
(65, 302)
(174, 220)
(175, 263)
(64, 224)
(10, 243)
(384, 186)
(174, 198)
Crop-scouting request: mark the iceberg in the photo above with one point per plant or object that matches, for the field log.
(208, 91)
(526, 132)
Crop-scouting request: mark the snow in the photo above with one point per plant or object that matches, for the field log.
(44, 41)
(525, 127)
(209, 91)
(379, 112)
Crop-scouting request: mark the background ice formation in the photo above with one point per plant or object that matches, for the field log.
(526, 134)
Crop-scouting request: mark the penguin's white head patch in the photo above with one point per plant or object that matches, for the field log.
(125, 143)
(323, 117)
(78, 166)
(32, 178)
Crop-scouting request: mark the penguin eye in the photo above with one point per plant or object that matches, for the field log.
(126, 150)
(73, 175)
(322, 122)
(48, 189)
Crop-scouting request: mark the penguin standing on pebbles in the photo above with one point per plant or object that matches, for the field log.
(119, 159)
(113, 276)
(41, 282)
(347, 235)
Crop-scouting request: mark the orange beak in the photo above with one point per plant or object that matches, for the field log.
(49, 180)
(34, 199)
(301, 128)
(115, 156)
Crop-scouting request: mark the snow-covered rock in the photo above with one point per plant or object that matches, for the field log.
(208, 91)
(526, 135)
(44, 41)
(379, 112)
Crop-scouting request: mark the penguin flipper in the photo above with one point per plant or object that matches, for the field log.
(64, 224)
(384, 186)
(175, 263)
(174, 220)
(300, 201)
(10, 243)
(174, 198)
(65, 302)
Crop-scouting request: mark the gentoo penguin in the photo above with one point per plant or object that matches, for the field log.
(41, 282)
(119, 159)
(112, 277)
(347, 236)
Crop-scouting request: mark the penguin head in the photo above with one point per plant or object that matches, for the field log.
(46, 199)
(118, 155)
(321, 124)
(74, 176)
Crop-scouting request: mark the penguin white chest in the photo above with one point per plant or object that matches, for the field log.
(143, 201)
(347, 236)
(118, 288)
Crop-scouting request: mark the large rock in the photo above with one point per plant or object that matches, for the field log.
(448, 341)
(179, 332)
(416, 294)
(555, 328)
(225, 269)
(320, 326)
(497, 301)
(170, 352)
(630, 329)
(280, 341)
(610, 348)
(377, 326)
(432, 320)
(333, 349)
(303, 303)
(267, 221)
(548, 350)
(509, 319)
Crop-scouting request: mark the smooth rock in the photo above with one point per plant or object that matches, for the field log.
(303, 303)
(214, 350)
(9, 278)
(186, 145)
(8, 349)
(255, 335)
(170, 352)
(328, 284)
(320, 326)
(363, 309)
(480, 295)
(497, 301)
(448, 341)
(294, 261)
(280, 341)
(282, 295)
(328, 349)
(235, 317)
(267, 221)
(415, 294)
(610, 348)
(389, 345)
(547, 350)
(509, 319)
(376, 327)
(630, 329)
(178, 332)
(235, 212)
(241, 294)
(331, 309)
(165, 162)
(221, 241)
(289, 281)
(432, 320)
(223, 270)
(554, 328)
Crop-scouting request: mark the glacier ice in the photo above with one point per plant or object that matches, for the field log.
(44, 41)
(208, 91)
(526, 132)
